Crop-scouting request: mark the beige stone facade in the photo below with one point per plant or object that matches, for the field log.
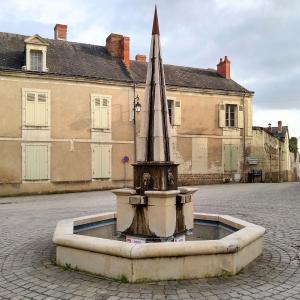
(272, 155)
(198, 142)
(67, 121)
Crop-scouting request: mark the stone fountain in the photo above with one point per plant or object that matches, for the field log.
(155, 210)
(154, 235)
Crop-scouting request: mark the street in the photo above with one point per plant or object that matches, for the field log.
(27, 253)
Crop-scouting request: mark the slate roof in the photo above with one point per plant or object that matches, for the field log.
(280, 135)
(188, 77)
(66, 58)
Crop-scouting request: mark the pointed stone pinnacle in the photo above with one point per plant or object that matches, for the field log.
(155, 28)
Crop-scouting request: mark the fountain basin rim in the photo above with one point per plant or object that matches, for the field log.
(247, 233)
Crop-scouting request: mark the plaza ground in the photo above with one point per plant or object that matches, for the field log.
(27, 252)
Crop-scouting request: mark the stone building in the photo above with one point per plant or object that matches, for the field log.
(270, 153)
(66, 115)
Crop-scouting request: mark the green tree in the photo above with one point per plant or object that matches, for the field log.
(293, 145)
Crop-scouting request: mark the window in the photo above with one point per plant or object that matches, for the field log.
(170, 109)
(35, 162)
(101, 112)
(36, 60)
(230, 158)
(230, 115)
(36, 109)
(101, 161)
(174, 110)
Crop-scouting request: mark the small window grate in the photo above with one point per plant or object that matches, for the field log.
(30, 97)
(105, 102)
(42, 97)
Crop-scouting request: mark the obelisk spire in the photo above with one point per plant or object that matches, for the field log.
(155, 28)
(155, 137)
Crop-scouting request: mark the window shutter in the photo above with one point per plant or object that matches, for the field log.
(227, 158)
(240, 116)
(30, 109)
(102, 161)
(106, 161)
(230, 158)
(36, 162)
(105, 114)
(234, 157)
(101, 113)
(221, 115)
(96, 112)
(41, 111)
(96, 162)
(177, 113)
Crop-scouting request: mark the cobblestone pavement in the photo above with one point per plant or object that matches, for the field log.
(27, 252)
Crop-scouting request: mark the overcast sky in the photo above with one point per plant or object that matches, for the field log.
(260, 37)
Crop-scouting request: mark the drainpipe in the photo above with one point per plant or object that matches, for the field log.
(244, 139)
(134, 123)
(279, 162)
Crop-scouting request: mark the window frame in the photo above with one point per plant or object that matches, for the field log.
(48, 101)
(175, 116)
(229, 110)
(33, 60)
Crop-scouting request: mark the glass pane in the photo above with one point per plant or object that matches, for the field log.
(36, 60)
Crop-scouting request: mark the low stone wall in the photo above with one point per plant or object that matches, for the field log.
(197, 179)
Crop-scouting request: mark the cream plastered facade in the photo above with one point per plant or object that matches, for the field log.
(198, 142)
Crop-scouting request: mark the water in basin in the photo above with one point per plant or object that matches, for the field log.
(203, 230)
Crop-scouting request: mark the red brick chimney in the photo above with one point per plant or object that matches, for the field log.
(60, 32)
(141, 57)
(223, 67)
(279, 129)
(119, 46)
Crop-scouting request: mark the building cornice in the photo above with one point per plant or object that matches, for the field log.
(129, 83)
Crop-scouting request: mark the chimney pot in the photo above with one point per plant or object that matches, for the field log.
(279, 129)
(60, 32)
(141, 57)
(119, 46)
(223, 67)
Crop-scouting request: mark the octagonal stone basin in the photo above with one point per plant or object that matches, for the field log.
(89, 244)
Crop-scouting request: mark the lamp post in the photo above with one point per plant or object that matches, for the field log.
(136, 109)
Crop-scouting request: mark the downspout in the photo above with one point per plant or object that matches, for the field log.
(244, 139)
(134, 123)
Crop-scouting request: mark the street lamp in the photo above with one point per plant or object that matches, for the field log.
(137, 107)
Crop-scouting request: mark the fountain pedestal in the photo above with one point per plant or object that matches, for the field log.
(159, 215)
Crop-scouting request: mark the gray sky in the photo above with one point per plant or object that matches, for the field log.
(260, 37)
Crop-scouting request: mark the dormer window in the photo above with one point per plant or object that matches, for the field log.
(36, 54)
(36, 60)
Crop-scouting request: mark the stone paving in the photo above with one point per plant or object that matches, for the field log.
(27, 254)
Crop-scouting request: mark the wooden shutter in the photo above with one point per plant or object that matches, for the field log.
(101, 110)
(96, 104)
(41, 117)
(240, 116)
(230, 158)
(36, 162)
(30, 109)
(234, 157)
(102, 161)
(105, 113)
(221, 115)
(227, 158)
(177, 112)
